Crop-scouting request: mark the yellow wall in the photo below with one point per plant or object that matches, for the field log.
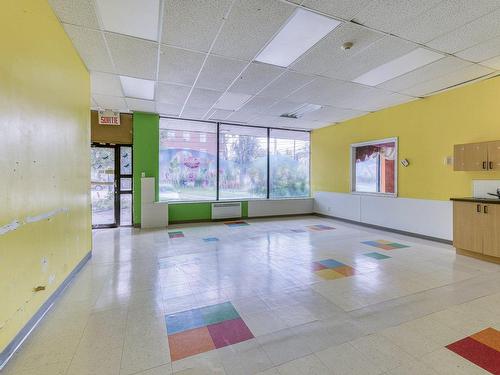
(44, 159)
(427, 130)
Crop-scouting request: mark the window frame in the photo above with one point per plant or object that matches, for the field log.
(218, 124)
(352, 168)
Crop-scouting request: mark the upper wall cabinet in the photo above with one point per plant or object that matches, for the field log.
(484, 156)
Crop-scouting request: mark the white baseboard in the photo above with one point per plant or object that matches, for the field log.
(433, 218)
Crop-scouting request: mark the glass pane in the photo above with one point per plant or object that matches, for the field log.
(188, 163)
(126, 184)
(375, 168)
(102, 185)
(126, 209)
(289, 163)
(242, 162)
(125, 160)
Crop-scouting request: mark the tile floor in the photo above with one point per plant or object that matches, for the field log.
(252, 302)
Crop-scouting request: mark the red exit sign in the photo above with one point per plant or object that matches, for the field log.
(109, 118)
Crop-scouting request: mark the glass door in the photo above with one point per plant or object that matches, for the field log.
(111, 186)
(103, 190)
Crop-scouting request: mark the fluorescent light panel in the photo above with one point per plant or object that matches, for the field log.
(397, 67)
(137, 18)
(302, 31)
(138, 88)
(302, 110)
(231, 101)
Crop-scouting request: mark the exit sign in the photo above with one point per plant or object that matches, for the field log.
(109, 118)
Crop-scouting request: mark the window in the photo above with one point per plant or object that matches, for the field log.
(288, 163)
(375, 166)
(242, 162)
(187, 170)
(201, 160)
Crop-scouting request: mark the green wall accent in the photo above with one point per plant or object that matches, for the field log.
(146, 135)
(244, 209)
(189, 211)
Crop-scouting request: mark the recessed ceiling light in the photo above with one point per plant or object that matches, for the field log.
(302, 31)
(138, 88)
(301, 111)
(231, 101)
(137, 18)
(397, 67)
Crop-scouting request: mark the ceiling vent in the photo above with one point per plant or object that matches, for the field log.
(301, 111)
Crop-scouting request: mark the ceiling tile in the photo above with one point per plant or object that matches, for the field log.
(482, 51)
(380, 52)
(168, 109)
(179, 66)
(389, 15)
(345, 9)
(114, 103)
(431, 71)
(241, 116)
(203, 98)
(322, 91)
(136, 18)
(452, 79)
(133, 57)
(220, 114)
(193, 24)
(193, 112)
(493, 63)
(286, 84)
(91, 47)
(281, 107)
(443, 18)
(76, 12)
(172, 94)
(258, 104)
(140, 105)
(332, 114)
(250, 25)
(329, 49)
(469, 35)
(219, 72)
(105, 83)
(255, 78)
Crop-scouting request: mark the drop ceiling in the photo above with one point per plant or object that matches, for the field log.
(199, 56)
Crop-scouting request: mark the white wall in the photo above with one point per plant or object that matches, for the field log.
(427, 217)
(280, 207)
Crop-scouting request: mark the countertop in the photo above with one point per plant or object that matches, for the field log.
(491, 200)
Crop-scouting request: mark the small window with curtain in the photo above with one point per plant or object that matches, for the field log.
(374, 167)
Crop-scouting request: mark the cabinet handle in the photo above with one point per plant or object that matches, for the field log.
(491, 164)
(485, 209)
(478, 208)
(484, 165)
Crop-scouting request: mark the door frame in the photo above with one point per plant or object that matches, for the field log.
(117, 190)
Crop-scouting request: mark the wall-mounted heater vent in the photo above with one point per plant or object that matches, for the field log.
(227, 210)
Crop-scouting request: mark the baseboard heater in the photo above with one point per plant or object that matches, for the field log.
(229, 210)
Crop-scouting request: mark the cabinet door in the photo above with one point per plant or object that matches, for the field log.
(459, 158)
(491, 230)
(467, 233)
(494, 155)
(476, 156)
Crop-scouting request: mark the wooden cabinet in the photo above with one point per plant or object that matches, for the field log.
(482, 156)
(476, 227)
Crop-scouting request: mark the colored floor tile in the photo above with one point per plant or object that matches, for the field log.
(385, 245)
(477, 353)
(376, 256)
(184, 321)
(299, 230)
(329, 274)
(211, 239)
(345, 270)
(218, 313)
(318, 266)
(188, 343)
(177, 234)
(489, 337)
(319, 228)
(235, 224)
(229, 332)
(330, 263)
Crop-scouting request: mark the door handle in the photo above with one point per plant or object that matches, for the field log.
(485, 209)
(491, 165)
(484, 165)
(478, 208)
